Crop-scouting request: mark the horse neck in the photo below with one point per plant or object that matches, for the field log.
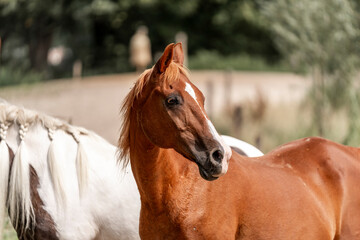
(161, 174)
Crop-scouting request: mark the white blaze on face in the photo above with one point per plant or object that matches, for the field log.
(215, 134)
(191, 91)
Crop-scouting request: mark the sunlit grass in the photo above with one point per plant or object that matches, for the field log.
(9, 232)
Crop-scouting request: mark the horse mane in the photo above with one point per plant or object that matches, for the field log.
(170, 75)
(17, 195)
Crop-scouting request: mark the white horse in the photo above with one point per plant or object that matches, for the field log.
(242, 147)
(63, 182)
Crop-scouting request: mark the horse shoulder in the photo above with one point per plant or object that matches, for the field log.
(117, 201)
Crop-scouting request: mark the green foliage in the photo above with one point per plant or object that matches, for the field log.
(320, 33)
(320, 36)
(9, 232)
(98, 31)
(353, 134)
(13, 76)
(205, 59)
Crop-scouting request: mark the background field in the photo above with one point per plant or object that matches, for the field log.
(94, 102)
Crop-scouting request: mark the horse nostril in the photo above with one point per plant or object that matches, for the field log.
(217, 155)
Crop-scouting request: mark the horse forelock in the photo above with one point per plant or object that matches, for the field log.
(170, 75)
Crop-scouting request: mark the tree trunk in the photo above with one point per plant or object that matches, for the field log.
(38, 51)
(319, 88)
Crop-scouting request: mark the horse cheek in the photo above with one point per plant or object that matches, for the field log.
(158, 134)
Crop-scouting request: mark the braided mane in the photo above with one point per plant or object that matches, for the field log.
(17, 195)
(10, 114)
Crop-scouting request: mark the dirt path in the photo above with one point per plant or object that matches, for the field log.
(94, 102)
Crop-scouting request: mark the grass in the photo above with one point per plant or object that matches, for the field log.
(9, 232)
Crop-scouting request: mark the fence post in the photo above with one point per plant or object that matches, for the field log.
(227, 91)
(210, 96)
(183, 38)
(77, 70)
(0, 51)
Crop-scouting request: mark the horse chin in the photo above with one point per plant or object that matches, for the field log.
(203, 172)
(205, 175)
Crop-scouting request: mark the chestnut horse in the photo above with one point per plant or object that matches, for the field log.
(306, 189)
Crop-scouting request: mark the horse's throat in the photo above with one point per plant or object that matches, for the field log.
(165, 179)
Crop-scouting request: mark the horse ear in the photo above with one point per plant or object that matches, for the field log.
(178, 54)
(165, 59)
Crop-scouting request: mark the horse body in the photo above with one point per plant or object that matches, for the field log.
(307, 189)
(106, 208)
(262, 198)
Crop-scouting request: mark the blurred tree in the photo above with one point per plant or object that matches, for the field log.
(36, 23)
(320, 36)
(229, 26)
(98, 31)
(33, 22)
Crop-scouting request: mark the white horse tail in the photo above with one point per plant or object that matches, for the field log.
(19, 202)
(4, 175)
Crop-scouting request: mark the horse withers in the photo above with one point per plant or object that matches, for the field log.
(306, 189)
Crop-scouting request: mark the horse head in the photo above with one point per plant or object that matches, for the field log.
(172, 115)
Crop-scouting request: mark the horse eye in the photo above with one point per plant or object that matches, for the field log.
(172, 101)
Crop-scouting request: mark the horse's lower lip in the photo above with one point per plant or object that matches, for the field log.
(206, 175)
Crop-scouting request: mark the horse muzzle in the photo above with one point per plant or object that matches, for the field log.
(214, 166)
